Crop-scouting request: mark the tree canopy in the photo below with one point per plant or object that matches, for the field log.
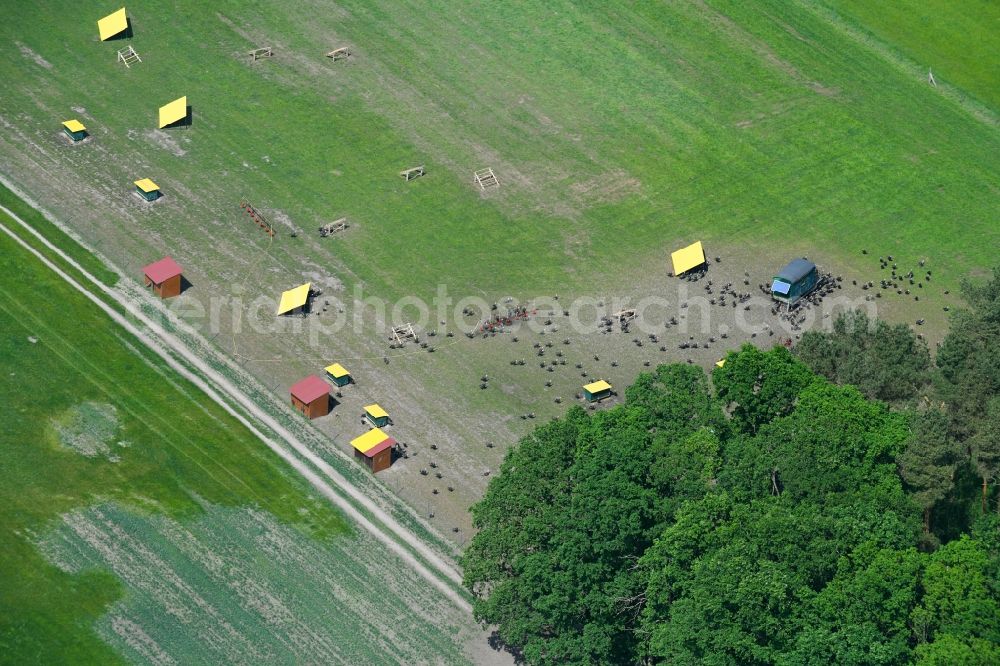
(765, 516)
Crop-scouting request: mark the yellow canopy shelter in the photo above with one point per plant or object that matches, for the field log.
(174, 111)
(146, 185)
(337, 371)
(721, 362)
(294, 298)
(687, 258)
(74, 126)
(597, 387)
(339, 374)
(112, 24)
(370, 439)
(376, 412)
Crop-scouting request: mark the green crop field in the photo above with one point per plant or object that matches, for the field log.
(618, 132)
(129, 498)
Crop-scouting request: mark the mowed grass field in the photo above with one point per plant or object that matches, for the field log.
(140, 522)
(616, 131)
(957, 43)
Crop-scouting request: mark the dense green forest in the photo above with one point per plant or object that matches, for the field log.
(836, 503)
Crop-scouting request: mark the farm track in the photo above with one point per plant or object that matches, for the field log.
(428, 564)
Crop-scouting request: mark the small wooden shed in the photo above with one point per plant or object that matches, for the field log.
(164, 276)
(75, 130)
(374, 449)
(377, 416)
(597, 391)
(311, 396)
(147, 189)
(794, 281)
(338, 374)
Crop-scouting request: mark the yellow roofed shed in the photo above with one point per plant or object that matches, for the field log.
(376, 415)
(339, 374)
(113, 24)
(596, 391)
(687, 258)
(147, 189)
(294, 299)
(373, 437)
(173, 112)
(75, 130)
(374, 449)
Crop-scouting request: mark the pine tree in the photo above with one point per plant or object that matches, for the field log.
(929, 461)
(984, 446)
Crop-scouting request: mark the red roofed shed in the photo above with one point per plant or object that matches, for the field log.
(164, 276)
(311, 396)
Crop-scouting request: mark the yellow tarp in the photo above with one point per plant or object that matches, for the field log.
(112, 24)
(375, 412)
(597, 387)
(171, 113)
(74, 126)
(368, 440)
(721, 362)
(337, 370)
(146, 185)
(294, 298)
(687, 258)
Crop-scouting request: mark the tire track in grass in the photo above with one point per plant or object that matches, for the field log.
(313, 468)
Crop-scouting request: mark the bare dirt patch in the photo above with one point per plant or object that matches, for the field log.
(89, 428)
(165, 141)
(31, 55)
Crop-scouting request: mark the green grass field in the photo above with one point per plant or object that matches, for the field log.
(958, 43)
(617, 132)
(768, 130)
(95, 425)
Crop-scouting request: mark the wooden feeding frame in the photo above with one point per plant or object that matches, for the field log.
(164, 277)
(374, 450)
(147, 190)
(626, 316)
(338, 374)
(75, 130)
(334, 227)
(342, 53)
(311, 396)
(128, 56)
(400, 334)
(377, 416)
(262, 52)
(597, 391)
(411, 174)
(295, 301)
(486, 178)
(254, 214)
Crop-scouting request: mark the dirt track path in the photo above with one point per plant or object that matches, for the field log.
(316, 471)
